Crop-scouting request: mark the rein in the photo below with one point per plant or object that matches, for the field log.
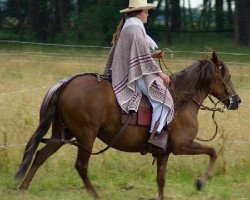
(214, 109)
(170, 62)
(75, 143)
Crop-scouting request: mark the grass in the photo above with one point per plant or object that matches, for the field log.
(116, 175)
(58, 179)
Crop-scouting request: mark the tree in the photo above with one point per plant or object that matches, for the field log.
(22, 13)
(167, 16)
(80, 6)
(175, 15)
(38, 18)
(190, 16)
(230, 15)
(242, 22)
(1, 14)
(219, 15)
(184, 16)
(83, 4)
(99, 20)
(155, 12)
(205, 18)
(248, 20)
(18, 10)
(64, 8)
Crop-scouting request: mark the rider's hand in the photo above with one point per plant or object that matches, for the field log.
(157, 54)
(165, 78)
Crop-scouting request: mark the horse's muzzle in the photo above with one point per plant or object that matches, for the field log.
(232, 103)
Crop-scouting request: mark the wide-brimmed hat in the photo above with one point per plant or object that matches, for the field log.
(138, 5)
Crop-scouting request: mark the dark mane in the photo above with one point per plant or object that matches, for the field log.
(195, 78)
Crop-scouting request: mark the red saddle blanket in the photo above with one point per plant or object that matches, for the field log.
(144, 115)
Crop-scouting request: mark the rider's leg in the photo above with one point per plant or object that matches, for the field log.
(160, 112)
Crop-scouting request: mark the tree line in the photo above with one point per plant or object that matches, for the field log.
(82, 20)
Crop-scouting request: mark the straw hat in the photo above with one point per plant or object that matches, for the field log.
(138, 5)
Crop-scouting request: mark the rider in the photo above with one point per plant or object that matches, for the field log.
(134, 71)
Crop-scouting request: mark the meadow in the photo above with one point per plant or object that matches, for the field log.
(27, 72)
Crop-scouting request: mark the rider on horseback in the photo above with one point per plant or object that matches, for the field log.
(135, 73)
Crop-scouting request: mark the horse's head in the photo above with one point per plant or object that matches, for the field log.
(223, 88)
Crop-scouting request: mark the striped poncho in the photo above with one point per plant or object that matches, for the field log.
(130, 60)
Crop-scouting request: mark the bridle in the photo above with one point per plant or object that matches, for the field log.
(213, 109)
(228, 89)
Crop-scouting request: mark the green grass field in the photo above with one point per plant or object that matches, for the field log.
(27, 72)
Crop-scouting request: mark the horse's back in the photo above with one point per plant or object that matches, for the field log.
(87, 100)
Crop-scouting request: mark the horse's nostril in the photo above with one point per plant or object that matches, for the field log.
(238, 99)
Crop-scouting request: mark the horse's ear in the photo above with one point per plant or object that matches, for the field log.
(215, 59)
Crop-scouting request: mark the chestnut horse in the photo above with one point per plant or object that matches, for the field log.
(88, 109)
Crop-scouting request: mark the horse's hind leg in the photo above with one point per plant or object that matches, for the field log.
(161, 173)
(194, 149)
(41, 156)
(82, 168)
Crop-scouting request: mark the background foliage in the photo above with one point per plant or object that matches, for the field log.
(86, 21)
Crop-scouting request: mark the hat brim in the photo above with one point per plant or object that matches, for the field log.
(147, 7)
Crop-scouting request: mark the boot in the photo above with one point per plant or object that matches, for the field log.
(160, 141)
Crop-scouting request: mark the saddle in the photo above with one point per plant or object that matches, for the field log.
(144, 115)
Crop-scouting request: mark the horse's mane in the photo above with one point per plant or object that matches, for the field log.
(191, 80)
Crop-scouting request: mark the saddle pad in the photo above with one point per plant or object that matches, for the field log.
(143, 116)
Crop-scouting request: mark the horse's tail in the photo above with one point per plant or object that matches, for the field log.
(47, 115)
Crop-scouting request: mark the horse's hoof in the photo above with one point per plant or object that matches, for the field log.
(21, 189)
(199, 183)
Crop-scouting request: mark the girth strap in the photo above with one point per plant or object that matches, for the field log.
(75, 143)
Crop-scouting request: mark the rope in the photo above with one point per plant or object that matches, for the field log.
(6, 147)
(12, 145)
(170, 62)
(219, 52)
(24, 90)
(75, 143)
(214, 109)
(57, 63)
(53, 44)
(107, 47)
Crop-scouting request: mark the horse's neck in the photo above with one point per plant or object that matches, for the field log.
(193, 105)
(200, 97)
(192, 101)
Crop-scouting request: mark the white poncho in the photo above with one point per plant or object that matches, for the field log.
(131, 59)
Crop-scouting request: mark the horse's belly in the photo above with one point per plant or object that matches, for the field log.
(131, 140)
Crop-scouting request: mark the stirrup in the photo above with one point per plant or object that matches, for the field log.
(159, 141)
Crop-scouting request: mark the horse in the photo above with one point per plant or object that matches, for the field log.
(85, 108)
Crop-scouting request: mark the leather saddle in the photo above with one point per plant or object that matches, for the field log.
(144, 115)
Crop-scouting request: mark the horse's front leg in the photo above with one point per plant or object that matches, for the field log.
(194, 149)
(208, 174)
(161, 173)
